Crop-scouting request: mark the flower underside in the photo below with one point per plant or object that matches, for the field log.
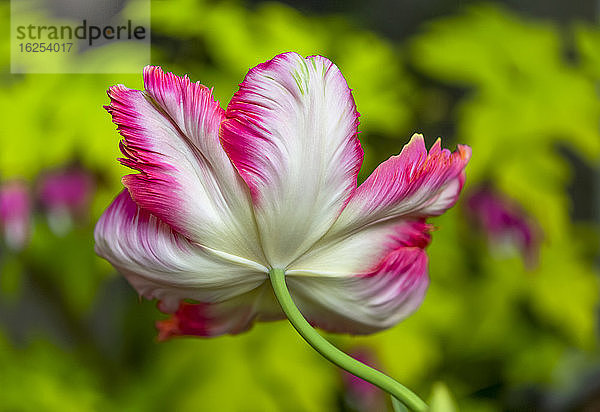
(220, 197)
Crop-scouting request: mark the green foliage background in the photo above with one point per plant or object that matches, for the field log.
(73, 335)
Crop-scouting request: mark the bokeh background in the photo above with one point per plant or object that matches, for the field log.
(510, 322)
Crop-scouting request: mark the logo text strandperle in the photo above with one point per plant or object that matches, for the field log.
(82, 32)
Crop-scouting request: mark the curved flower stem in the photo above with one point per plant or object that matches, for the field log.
(333, 354)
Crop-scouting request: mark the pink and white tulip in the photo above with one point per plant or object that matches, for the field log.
(504, 222)
(222, 196)
(15, 214)
(65, 195)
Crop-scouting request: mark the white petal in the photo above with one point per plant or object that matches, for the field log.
(162, 264)
(171, 136)
(291, 131)
(414, 184)
(363, 283)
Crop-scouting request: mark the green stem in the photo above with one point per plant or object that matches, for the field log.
(333, 354)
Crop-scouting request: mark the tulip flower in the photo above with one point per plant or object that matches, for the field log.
(360, 395)
(65, 195)
(15, 214)
(226, 200)
(504, 222)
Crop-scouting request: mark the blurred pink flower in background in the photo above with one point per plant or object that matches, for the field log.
(15, 214)
(223, 196)
(505, 223)
(65, 195)
(359, 394)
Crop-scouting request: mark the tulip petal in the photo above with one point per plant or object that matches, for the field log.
(171, 136)
(291, 132)
(369, 271)
(413, 184)
(367, 282)
(162, 264)
(233, 316)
